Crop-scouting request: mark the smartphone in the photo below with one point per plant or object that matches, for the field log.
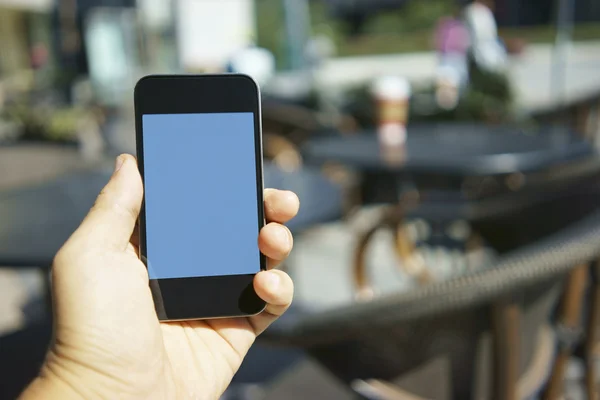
(199, 149)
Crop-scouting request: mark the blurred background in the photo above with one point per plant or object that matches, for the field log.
(444, 152)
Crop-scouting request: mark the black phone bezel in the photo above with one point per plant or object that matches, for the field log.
(215, 296)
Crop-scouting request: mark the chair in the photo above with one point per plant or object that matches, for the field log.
(380, 340)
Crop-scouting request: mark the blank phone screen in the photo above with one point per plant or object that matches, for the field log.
(201, 203)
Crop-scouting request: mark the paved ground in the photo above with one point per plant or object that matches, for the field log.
(24, 165)
(28, 164)
(12, 299)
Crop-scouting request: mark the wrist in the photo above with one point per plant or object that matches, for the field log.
(63, 379)
(59, 380)
(44, 387)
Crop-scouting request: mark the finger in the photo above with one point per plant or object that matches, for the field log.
(110, 222)
(275, 241)
(277, 290)
(135, 236)
(280, 205)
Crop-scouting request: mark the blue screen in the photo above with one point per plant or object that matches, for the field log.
(200, 195)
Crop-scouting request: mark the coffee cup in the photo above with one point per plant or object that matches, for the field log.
(391, 94)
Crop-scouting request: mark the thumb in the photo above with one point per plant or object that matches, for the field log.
(111, 221)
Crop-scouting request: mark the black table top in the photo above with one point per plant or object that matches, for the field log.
(37, 220)
(453, 149)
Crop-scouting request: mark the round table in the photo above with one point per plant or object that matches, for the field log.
(452, 149)
(481, 173)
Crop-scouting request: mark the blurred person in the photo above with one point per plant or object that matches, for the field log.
(68, 22)
(39, 56)
(68, 46)
(108, 341)
(452, 44)
(447, 92)
(487, 49)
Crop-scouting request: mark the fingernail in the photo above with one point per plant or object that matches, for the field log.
(273, 281)
(119, 163)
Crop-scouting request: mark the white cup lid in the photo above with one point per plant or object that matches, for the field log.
(391, 87)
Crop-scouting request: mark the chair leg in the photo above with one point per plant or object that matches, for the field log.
(362, 286)
(506, 324)
(411, 261)
(593, 323)
(569, 326)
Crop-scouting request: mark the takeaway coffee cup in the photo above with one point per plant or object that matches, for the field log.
(391, 94)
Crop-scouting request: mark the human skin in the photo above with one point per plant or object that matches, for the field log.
(108, 341)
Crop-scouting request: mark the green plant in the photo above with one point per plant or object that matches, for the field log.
(44, 123)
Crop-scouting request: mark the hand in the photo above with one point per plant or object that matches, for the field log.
(108, 341)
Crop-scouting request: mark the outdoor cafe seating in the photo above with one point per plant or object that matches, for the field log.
(531, 198)
(445, 156)
(495, 320)
(501, 317)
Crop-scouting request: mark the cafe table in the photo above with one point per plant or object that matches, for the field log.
(495, 176)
